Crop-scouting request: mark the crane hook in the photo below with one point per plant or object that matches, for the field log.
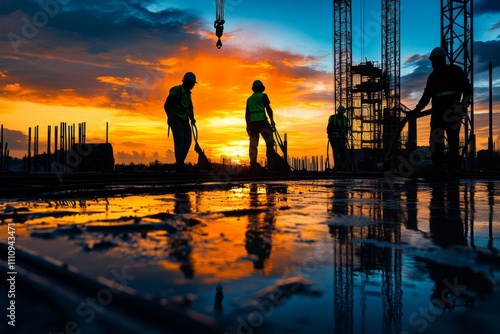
(219, 30)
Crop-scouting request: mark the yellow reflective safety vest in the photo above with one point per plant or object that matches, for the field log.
(337, 126)
(181, 109)
(256, 108)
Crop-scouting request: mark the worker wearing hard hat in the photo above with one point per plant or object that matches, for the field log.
(258, 124)
(179, 109)
(337, 135)
(451, 93)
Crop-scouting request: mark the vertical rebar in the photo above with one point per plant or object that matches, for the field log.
(47, 160)
(1, 149)
(35, 150)
(28, 162)
(55, 144)
(490, 135)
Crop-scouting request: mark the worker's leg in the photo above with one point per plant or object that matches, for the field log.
(337, 155)
(436, 142)
(178, 129)
(187, 139)
(453, 157)
(254, 144)
(343, 154)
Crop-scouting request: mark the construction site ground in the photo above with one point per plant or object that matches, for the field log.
(229, 252)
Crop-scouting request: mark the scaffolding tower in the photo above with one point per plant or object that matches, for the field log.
(367, 95)
(371, 94)
(342, 53)
(391, 65)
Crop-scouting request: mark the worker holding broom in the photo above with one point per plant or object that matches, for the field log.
(179, 109)
(258, 124)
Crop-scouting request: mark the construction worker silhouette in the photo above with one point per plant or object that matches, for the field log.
(337, 135)
(451, 94)
(179, 109)
(257, 123)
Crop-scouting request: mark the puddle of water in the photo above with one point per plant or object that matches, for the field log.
(299, 256)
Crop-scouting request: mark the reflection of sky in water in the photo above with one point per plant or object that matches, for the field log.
(373, 250)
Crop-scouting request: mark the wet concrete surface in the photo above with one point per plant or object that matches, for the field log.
(302, 256)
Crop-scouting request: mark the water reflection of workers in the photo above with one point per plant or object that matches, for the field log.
(258, 237)
(446, 225)
(219, 297)
(411, 206)
(180, 247)
(182, 203)
(340, 208)
(447, 230)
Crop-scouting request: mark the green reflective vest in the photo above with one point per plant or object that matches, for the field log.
(182, 109)
(256, 107)
(337, 126)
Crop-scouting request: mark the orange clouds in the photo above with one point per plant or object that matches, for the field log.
(114, 81)
(13, 87)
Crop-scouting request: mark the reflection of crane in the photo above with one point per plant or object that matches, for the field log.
(355, 264)
(219, 21)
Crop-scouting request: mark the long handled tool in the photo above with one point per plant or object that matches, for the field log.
(203, 162)
(402, 123)
(280, 162)
(327, 161)
(279, 141)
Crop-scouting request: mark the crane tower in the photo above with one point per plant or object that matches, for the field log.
(342, 52)
(457, 40)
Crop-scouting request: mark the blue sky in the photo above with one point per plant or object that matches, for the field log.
(306, 27)
(114, 61)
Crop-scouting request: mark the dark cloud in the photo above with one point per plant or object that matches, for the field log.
(65, 47)
(486, 6)
(484, 52)
(15, 140)
(413, 83)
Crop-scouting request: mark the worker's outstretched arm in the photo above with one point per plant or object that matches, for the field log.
(271, 117)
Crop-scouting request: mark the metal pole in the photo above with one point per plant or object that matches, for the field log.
(490, 137)
(29, 150)
(285, 146)
(1, 149)
(35, 150)
(47, 162)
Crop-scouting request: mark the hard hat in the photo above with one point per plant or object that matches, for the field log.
(341, 109)
(438, 52)
(190, 76)
(257, 83)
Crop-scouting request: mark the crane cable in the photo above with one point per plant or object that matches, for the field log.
(219, 21)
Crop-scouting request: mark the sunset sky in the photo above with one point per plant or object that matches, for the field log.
(113, 62)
